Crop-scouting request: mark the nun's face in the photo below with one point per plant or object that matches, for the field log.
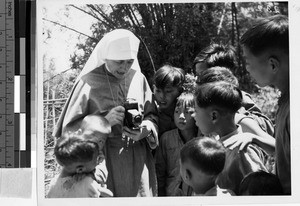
(119, 68)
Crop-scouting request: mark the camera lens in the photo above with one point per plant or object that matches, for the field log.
(137, 119)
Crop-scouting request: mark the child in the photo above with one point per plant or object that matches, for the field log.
(168, 85)
(80, 154)
(167, 155)
(216, 55)
(201, 161)
(215, 108)
(266, 51)
(246, 119)
(78, 158)
(260, 183)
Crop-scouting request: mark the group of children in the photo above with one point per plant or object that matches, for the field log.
(233, 134)
(214, 141)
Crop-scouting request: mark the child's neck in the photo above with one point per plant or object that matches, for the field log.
(64, 173)
(205, 190)
(188, 134)
(226, 128)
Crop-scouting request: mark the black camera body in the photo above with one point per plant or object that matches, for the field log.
(133, 118)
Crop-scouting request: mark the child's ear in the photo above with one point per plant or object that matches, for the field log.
(274, 63)
(214, 115)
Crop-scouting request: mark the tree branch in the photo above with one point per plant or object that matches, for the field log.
(103, 15)
(80, 9)
(70, 28)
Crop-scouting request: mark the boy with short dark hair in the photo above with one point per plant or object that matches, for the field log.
(266, 50)
(202, 159)
(260, 183)
(215, 108)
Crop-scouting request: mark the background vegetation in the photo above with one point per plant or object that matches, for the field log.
(169, 33)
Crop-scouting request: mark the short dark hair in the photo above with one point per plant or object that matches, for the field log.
(261, 183)
(73, 147)
(267, 33)
(215, 74)
(224, 95)
(169, 76)
(216, 55)
(185, 100)
(206, 154)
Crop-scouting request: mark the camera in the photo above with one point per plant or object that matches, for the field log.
(133, 118)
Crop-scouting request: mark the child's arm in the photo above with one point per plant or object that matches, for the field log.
(238, 165)
(252, 134)
(161, 168)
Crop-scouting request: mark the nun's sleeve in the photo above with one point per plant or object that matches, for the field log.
(150, 115)
(75, 108)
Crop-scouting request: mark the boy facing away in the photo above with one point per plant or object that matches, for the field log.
(202, 159)
(266, 51)
(224, 56)
(79, 152)
(215, 108)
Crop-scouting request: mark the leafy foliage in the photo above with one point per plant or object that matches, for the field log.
(175, 33)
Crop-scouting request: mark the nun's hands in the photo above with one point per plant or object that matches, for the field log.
(116, 115)
(137, 134)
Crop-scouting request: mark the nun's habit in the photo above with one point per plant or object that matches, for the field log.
(130, 165)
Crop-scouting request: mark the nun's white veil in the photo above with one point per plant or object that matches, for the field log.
(119, 44)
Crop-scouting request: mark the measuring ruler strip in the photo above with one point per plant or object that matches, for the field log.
(15, 99)
(7, 68)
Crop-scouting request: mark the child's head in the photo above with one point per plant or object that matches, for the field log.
(260, 183)
(216, 104)
(201, 161)
(168, 82)
(215, 74)
(215, 55)
(185, 107)
(76, 154)
(266, 50)
(95, 128)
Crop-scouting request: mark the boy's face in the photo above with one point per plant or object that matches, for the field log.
(258, 67)
(166, 97)
(183, 118)
(203, 119)
(194, 177)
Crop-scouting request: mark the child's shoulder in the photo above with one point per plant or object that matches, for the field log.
(73, 186)
(170, 138)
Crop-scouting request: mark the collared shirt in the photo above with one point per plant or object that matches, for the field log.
(239, 163)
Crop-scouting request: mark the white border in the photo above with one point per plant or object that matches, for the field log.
(294, 14)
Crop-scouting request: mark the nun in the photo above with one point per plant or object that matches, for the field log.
(110, 80)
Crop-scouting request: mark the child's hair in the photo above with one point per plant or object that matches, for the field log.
(169, 76)
(261, 183)
(267, 33)
(95, 128)
(206, 154)
(216, 55)
(73, 148)
(215, 74)
(185, 100)
(227, 97)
